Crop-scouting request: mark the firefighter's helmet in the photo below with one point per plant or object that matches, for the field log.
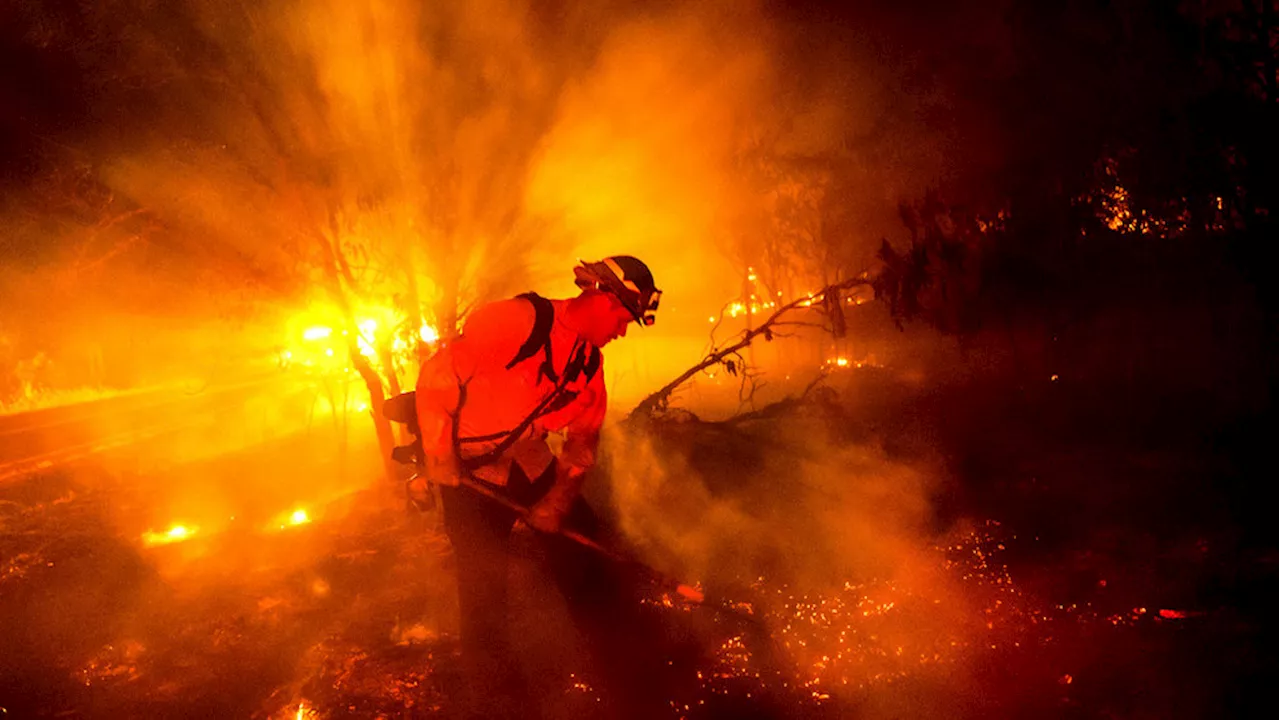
(626, 278)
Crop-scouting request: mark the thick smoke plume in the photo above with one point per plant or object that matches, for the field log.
(206, 153)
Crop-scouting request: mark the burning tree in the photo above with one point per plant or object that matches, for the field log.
(366, 160)
(419, 206)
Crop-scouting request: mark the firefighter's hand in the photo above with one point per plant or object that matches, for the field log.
(419, 491)
(546, 515)
(443, 472)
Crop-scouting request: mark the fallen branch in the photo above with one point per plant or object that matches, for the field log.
(780, 407)
(658, 399)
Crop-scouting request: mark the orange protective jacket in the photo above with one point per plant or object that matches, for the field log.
(469, 378)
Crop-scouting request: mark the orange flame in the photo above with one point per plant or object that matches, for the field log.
(176, 533)
(428, 334)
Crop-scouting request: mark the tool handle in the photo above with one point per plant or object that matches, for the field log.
(686, 591)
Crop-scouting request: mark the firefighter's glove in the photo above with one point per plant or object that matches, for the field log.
(418, 488)
(548, 514)
(443, 472)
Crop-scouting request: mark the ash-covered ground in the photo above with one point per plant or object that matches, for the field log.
(856, 565)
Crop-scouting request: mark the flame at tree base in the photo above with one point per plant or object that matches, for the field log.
(175, 534)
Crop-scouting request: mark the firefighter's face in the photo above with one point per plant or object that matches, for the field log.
(609, 319)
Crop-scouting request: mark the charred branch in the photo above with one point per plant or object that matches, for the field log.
(730, 355)
(781, 407)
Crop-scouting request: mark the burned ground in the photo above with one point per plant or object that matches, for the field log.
(863, 553)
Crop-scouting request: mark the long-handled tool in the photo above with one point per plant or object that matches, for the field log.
(402, 409)
(688, 592)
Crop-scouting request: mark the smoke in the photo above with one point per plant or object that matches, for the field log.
(464, 152)
(208, 156)
(831, 545)
(176, 210)
(180, 207)
(788, 498)
(639, 161)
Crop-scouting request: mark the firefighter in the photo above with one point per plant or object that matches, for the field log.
(524, 368)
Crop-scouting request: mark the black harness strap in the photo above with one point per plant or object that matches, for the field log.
(584, 359)
(540, 337)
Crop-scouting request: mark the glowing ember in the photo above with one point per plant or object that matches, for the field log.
(116, 663)
(847, 641)
(845, 363)
(690, 593)
(428, 333)
(316, 333)
(287, 520)
(578, 685)
(737, 309)
(177, 533)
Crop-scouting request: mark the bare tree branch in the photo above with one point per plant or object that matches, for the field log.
(659, 399)
(777, 408)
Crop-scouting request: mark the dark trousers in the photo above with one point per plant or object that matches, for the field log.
(602, 598)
